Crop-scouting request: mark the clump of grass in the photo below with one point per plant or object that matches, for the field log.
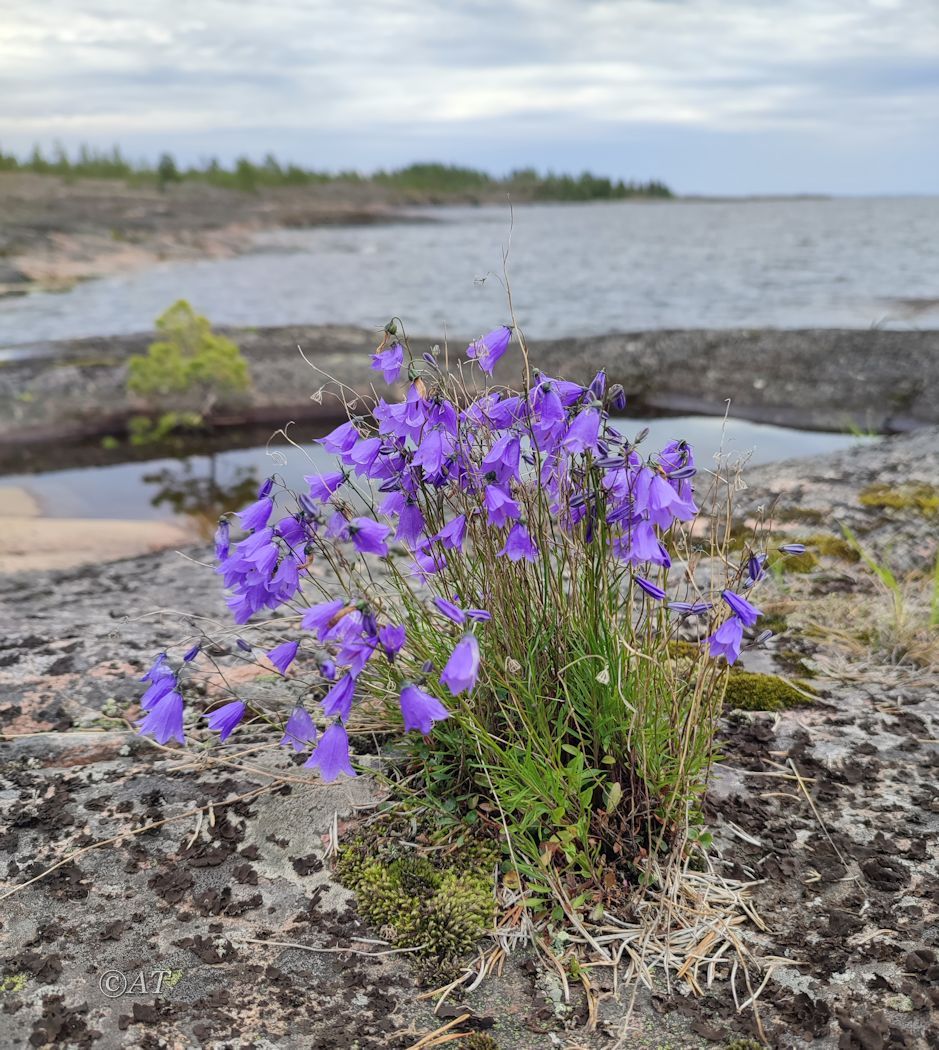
(479, 1041)
(897, 623)
(522, 639)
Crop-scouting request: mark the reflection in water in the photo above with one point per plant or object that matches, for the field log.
(200, 487)
(201, 497)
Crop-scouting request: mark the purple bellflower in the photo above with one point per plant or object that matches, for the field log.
(157, 691)
(338, 701)
(690, 608)
(293, 530)
(392, 638)
(451, 611)
(503, 458)
(164, 721)
(487, 350)
(282, 656)
(726, 640)
(368, 536)
(419, 709)
(410, 523)
(300, 730)
(319, 617)
(453, 533)
(340, 440)
(519, 545)
(462, 668)
(641, 544)
(755, 568)
(221, 539)
(435, 448)
(748, 613)
(583, 434)
(255, 517)
(323, 486)
(224, 719)
(500, 506)
(650, 588)
(160, 668)
(331, 756)
(389, 362)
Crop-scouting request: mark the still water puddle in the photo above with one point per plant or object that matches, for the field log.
(196, 489)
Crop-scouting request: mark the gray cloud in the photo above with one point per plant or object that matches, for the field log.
(236, 76)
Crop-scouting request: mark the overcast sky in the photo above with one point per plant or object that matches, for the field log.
(714, 96)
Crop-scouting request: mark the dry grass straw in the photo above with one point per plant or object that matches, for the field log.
(687, 933)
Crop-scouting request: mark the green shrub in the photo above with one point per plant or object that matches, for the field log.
(190, 367)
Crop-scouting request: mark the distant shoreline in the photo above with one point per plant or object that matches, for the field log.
(56, 232)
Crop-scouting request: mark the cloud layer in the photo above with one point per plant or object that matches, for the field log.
(714, 95)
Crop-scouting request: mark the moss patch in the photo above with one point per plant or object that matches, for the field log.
(438, 904)
(774, 622)
(919, 498)
(832, 547)
(747, 691)
(791, 660)
(803, 514)
(800, 563)
(14, 982)
(479, 1041)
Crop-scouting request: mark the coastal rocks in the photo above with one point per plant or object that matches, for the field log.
(56, 231)
(883, 493)
(824, 379)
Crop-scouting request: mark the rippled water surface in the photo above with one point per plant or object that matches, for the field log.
(575, 269)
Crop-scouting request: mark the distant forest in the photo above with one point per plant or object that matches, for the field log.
(428, 180)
